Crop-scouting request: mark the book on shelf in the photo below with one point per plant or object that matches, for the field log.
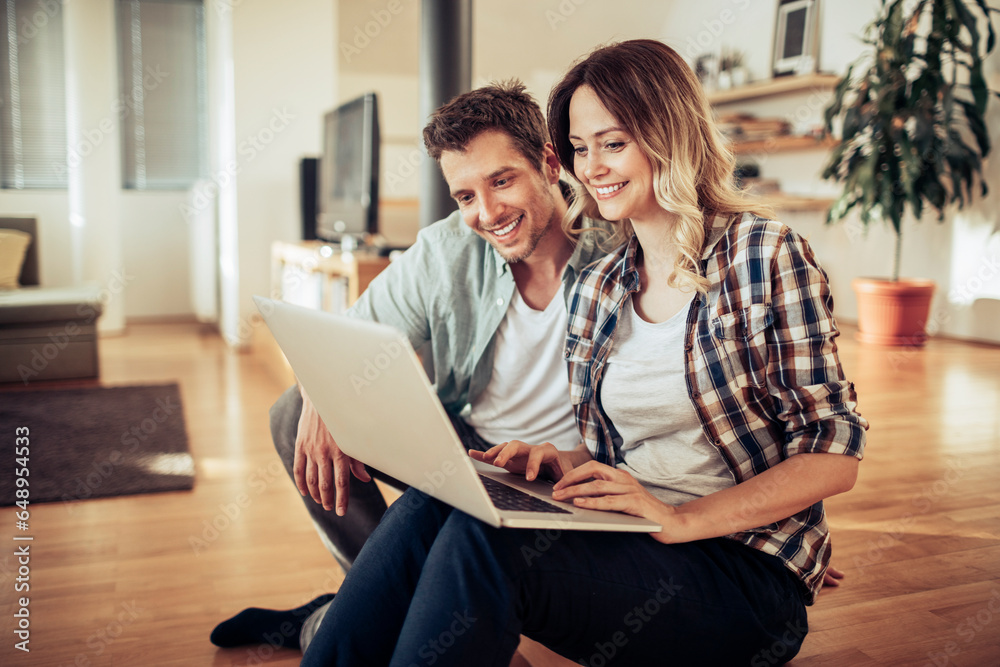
(745, 127)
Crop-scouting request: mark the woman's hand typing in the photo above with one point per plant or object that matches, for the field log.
(532, 460)
(597, 486)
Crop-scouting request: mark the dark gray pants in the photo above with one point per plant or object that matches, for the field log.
(344, 535)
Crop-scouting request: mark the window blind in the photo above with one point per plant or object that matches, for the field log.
(162, 83)
(33, 105)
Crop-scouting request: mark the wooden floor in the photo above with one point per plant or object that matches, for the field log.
(142, 580)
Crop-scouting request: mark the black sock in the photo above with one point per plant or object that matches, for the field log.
(266, 626)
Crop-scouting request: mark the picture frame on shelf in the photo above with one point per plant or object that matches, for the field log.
(795, 38)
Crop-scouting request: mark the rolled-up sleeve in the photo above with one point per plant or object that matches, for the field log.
(812, 396)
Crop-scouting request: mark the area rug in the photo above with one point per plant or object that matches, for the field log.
(88, 443)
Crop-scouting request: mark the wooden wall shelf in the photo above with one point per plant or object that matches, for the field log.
(785, 202)
(772, 87)
(781, 144)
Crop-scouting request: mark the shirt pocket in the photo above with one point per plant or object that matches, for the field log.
(579, 355)
(741, 335)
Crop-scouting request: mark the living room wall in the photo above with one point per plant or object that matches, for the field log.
(961, 254)
(281, 62)
(308, 55)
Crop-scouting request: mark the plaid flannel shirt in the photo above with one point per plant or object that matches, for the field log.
(761, 368)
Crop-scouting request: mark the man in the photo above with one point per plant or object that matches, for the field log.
(482, 292)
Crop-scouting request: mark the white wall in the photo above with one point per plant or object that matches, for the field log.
(531, 40)
(135, 238)
(155, 246)
(283, 68)
(284, 80)
(961, 254)
(285, 62)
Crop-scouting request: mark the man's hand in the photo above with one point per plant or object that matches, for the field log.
(320, 469)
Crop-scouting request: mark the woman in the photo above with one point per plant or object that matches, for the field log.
(710, 398)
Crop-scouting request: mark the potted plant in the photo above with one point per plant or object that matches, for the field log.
(732, 73)
(912, 136)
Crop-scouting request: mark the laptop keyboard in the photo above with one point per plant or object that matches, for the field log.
(508, 498)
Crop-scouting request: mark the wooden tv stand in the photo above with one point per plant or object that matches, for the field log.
(358, 267)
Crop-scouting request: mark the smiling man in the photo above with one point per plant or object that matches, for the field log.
(482, 294)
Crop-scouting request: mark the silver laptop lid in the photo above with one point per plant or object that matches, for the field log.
(373, 395)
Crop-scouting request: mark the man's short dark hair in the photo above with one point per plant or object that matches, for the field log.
(503, 106)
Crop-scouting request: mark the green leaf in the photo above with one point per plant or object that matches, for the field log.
(990, 36)
(980, 93)
(965, 17)
(956, 170)
(837, 104)
(975, 121)
(932, 190)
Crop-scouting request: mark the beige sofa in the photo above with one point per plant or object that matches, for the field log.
(46, 333)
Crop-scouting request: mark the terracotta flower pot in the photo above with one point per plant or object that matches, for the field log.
(893, 313)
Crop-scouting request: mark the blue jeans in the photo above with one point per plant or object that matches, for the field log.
(344, 536)
(434, 586)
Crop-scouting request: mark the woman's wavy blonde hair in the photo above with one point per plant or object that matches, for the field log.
(653, 93)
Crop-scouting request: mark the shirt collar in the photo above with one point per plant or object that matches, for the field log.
(714, 234)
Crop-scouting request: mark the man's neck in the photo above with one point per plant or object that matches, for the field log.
(539, 277)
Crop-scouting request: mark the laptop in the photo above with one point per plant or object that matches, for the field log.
(370, 388)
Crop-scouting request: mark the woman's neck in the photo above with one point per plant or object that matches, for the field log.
(659, 249)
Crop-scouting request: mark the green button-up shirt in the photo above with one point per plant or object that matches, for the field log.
(448, 294)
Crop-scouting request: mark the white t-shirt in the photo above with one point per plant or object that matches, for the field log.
(644, 394)
(527, 397)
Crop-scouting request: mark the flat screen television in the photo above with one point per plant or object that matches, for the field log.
(348, 172)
